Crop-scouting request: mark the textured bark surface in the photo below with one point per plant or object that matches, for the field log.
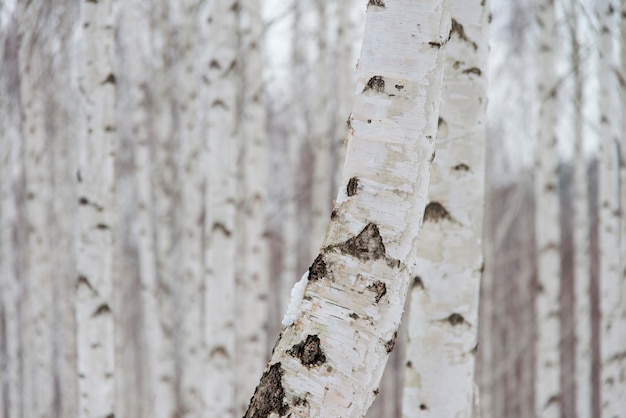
(547, 351)
(371, 238)
(443, 311)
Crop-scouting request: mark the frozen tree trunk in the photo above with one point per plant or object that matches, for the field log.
(443, 313)
(219, 230)
(547, 386)
(582, 277)
(611, 282)
(253, 286)
(96, 188)
(331, 355)
(321, 145)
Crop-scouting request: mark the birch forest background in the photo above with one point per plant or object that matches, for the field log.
(168, 171)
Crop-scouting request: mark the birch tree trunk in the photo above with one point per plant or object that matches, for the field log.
(443, 313)
(331, 355)
(96, 188)
(582, 276)
(219, 233)
(253, 286)
(547, 351)
(611, 282)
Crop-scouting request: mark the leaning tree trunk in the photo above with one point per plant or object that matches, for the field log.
(547, 383)
(443, 313)
(343, 322)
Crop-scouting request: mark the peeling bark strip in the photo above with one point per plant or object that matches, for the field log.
(435, 212)
(309, 352)
(353, 184)
(318, 268)
(268, 396)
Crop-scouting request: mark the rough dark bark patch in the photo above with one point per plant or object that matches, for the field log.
(458, 29)
(455, 319)
(376, 83)
(379, 288)
(353, 184)
(435, 212)
(268, 396)
(309, 351)
(368, 245)
(318, 268)
(391, 343)
(377, 3)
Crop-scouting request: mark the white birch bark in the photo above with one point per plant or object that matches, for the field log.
(582, 277)
(443, 319)
(11, 217)
(220, 255)
(547, 372)
(612, 391)
(321, 146)
(189, 299)
(329, 361)
(96, 187)
(253, 287)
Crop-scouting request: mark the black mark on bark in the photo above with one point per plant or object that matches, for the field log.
(368, 245)
(391, 343)
(102, 226)
(334, 214)
(377, 3)
(318, 268)
(455, 319)
(473, 70)
(83, 201)
(432, 157)
(353, 315)
(399, 86)
(458, 29)
(353, 184)
(221, 227)
(268, 396)
(417, 282)
(309, 351)
(376, 83)
(379, 288)
(102, 309)
(110, 79)
(215, 64)
(435, 212)
(461, 167)
(423, 407)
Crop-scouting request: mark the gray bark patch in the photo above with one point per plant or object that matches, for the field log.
(391, 343)
(318, 268)
(435, 212)
(368, 245)
(268, 396)
(379, 288)
(309, 351)
(376, 83)
(353, 184)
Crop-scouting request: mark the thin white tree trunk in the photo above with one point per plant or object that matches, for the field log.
(547, 372)
(253, 287)
(11, 216)
(96, 188)
(219, 231)
(321, 145)
(582, 266)
(442, 330)
(611, 350)
(330, 358)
